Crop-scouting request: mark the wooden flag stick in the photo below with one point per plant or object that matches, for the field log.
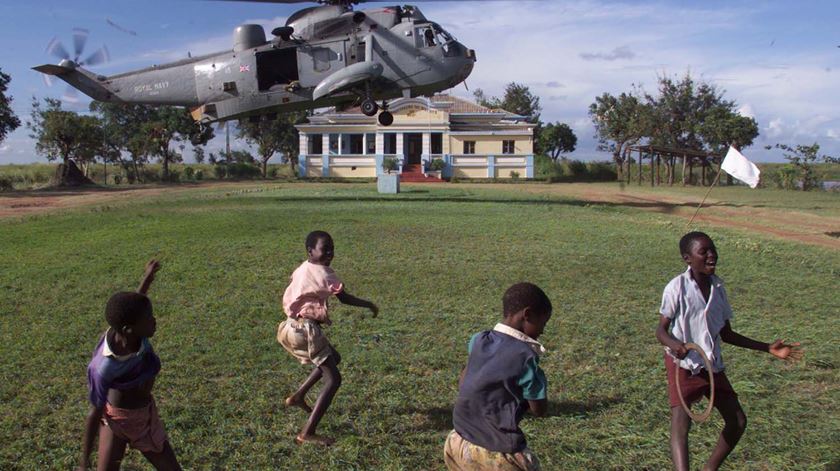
(717, 177)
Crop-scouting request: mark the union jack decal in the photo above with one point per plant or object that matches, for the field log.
(244, 68)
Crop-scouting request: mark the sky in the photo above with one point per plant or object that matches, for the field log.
(779, 60)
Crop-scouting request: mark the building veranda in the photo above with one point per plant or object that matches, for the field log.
(470, 141)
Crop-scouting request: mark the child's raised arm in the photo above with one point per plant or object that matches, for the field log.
(778, 349)
(152, 266)
(350, 300)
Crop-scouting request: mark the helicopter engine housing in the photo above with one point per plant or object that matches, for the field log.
(307, 17)
(248, 36)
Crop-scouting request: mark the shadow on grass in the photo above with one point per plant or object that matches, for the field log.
(437, 418)
(582, 408)
(440, 418)
(660, 206)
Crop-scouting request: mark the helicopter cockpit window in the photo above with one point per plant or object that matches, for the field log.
(425, 36)
(441, 36)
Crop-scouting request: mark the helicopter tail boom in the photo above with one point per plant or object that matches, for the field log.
(81, 79)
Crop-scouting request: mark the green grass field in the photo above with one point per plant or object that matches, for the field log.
(436, 260)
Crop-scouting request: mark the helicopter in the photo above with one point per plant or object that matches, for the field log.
(326, 55)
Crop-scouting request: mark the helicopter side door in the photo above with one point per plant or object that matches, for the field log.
(320, 60)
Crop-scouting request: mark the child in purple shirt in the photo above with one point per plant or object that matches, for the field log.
(121, 375)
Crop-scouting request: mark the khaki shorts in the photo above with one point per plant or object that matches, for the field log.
(305, 340)
(461, 455)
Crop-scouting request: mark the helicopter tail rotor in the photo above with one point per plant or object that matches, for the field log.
(68, 62)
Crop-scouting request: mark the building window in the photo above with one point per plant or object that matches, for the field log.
(390, 143)
(356, 141)
(436, 143)
(316, 144)
(469, 147)
(508, 147)
(371, 144)
(333, 144)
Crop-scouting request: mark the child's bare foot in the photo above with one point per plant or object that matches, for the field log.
(293, 401)
(316, 439)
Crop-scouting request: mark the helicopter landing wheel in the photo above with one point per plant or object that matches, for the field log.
(369, 107)
(386, 118)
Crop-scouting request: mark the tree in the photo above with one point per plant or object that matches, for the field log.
(684, 114)
(66, 135)
(198, 154)
(723, 126)
(557, 138)
(122, 125)
(170, 124)
(695, 115)
(519, 100)
(272, 136)
(8, 121)
(803, 158)
(620, 122)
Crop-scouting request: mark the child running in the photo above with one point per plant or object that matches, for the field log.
(502, 380)
(695, 309)
(305, 303)
(120, 379)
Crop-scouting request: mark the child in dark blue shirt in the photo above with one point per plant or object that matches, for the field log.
(502, 380)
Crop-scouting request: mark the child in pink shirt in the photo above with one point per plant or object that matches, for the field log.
(305, 303)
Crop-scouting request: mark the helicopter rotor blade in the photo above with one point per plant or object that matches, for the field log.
(99, 57)
(55, 48)
(80, 36)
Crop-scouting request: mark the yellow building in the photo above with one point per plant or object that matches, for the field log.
(471, 140)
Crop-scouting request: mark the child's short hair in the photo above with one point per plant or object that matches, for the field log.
(313, 238)
(126, 308)
(687, 240)
(522, 295)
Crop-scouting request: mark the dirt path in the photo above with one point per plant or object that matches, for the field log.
(36, 202)
(789, 224)
(793, 225)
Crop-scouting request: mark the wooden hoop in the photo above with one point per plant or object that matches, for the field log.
(708, 365)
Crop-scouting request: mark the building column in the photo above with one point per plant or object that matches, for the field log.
(304, 143)
(364, 143)
(529, 166)
(303, 150)
(426, 150)
(400, 150)
(400, 141)
(380, 143)
(491, 166)
(325, 155)
(340, 142)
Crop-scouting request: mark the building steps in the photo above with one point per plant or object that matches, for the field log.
(414, 174)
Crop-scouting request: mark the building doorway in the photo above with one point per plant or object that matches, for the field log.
(413, 148)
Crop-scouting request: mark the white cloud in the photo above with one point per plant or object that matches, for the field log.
(622, 52)
(746, 110)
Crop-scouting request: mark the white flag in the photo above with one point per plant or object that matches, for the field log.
(740, 167)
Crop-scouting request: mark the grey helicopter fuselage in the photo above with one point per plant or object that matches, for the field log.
(335, 56)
